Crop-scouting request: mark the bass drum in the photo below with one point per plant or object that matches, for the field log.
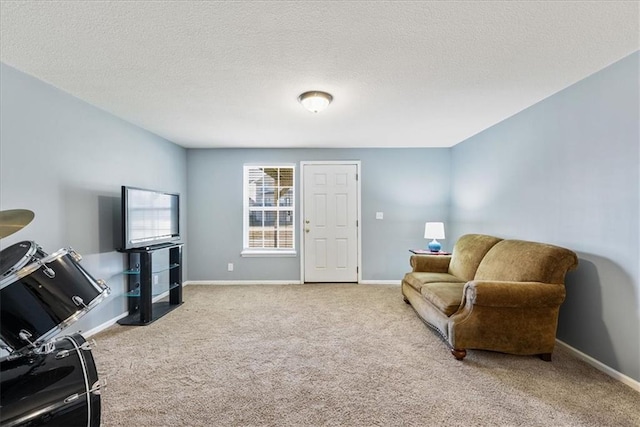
(60, 388)
(41, 294)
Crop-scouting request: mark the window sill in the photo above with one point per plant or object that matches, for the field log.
(268, 253)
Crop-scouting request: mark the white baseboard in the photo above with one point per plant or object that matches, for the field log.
(278, 282)
(601, 366)
(103, 326)
(380, 282)
(242, 282)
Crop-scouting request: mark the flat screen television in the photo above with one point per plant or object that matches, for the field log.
(149, 217)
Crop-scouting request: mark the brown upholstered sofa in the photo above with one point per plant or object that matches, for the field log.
(491, 294)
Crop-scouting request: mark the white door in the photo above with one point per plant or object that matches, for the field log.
(330, 222)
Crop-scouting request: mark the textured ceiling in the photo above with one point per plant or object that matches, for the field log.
(228, 74)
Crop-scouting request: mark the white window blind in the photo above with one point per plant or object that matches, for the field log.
(269, 195)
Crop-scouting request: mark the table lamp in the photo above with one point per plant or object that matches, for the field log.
(434, 230)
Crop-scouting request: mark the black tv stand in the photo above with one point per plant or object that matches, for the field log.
(159, 246)
(141, 273)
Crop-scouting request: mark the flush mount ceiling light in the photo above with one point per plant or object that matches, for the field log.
(315, 101)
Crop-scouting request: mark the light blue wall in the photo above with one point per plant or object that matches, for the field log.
(394, 181)
(66, 160)
(567, 171)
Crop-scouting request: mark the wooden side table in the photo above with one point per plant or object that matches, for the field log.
(427, 252)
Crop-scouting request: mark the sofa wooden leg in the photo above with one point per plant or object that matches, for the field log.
(405, 299)
(546, 357)
(459, 353)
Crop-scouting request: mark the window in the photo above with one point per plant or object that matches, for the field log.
(269, 210)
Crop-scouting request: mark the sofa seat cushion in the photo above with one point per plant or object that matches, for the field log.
(417, 279)
(446, 296)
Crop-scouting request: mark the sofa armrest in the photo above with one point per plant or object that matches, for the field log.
(430, 263)
(513, 294)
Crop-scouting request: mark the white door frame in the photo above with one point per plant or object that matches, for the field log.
(358, 204)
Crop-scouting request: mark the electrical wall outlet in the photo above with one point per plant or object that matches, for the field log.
(230, 266)
(155, 279)
(379, 215)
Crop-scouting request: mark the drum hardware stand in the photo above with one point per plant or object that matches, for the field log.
(86, 346)
(24, 336)
(13, 355)
(38, 248)
(45, 348)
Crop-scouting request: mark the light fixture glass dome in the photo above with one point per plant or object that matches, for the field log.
(315, 101)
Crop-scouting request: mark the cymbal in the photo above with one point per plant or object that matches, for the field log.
(14, 220)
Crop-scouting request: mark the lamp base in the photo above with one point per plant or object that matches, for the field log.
(434, 246)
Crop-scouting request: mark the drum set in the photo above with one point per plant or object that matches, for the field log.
(45, 379)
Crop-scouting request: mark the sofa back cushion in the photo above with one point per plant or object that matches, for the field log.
(522, 261)
(467, 254)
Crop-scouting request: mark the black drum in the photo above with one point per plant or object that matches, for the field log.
(41, 294)
(58, 388)
(17, 256)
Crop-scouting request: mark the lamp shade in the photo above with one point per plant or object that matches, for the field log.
(315, 101)
(434, 230)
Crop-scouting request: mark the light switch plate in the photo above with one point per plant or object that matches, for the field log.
(379, 215)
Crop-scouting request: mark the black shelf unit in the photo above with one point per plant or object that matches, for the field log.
(142, 309)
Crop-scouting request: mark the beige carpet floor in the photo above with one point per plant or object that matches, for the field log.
(333, 355)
